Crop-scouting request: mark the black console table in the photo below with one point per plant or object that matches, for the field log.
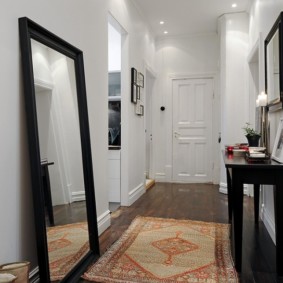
(239, 172)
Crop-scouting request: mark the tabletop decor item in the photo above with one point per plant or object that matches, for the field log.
(252, 135)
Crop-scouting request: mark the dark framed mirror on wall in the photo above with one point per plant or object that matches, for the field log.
(273, 47)
(60, 154)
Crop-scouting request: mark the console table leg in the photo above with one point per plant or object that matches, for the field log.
(237, 217)
(229, 189)
(256, 202)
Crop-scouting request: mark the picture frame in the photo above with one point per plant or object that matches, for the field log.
(138, 93)
(141, 110)
(140, 79)
(277, 152)
(138, 107)
(134, 93)
(133, 76)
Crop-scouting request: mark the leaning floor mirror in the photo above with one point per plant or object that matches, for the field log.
(60, 154)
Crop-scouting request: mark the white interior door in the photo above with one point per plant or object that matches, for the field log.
(192, 130)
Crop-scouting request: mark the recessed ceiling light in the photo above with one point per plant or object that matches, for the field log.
(165, 32)
(234, 5)
(161, 22)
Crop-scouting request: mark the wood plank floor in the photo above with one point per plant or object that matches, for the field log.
(200, 202)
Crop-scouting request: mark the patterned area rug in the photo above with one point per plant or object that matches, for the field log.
(67, 244)
(155, 250)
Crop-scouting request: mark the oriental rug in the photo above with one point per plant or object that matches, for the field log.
(155, 250)
(67, 244)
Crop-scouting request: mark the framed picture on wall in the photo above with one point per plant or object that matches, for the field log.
(277, 152)
(133, 76)
(138, 107)
(134, 93)
(141, 110)
(138, 93)
(140, 79)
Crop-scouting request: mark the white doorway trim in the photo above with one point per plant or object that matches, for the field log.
(125, 90)
(149, 74)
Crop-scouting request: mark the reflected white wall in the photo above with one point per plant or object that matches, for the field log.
(58, 123)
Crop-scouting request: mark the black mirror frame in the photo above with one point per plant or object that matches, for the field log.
(30, 30)
(276, 104)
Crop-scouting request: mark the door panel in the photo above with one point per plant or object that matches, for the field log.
(192, 130)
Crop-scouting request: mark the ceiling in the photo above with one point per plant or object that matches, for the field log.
(183, 17)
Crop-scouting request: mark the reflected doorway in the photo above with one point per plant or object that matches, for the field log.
(114, 113)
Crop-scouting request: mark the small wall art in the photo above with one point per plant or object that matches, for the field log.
(139, 108)
(140, 79)
(137, 82)
(134, 85)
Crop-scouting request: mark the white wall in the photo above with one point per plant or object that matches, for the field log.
(85, 26)
(233, 34)
(263, 14)
(178, 57)
(114, 49)
(64, 103)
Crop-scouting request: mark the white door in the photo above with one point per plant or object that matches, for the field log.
(192, 130)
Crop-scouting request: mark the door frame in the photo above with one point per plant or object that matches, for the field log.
(216, 115)
(149, 70)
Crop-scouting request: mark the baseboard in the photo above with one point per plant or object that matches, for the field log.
(224, 190)
(269, 224)
(160, 177)
(136, 193)
(103, 222)
(78, 196)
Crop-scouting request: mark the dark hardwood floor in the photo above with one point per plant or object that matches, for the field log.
(200, 202)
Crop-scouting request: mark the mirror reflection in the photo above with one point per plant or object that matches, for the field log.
(272, 65)
(61, 158)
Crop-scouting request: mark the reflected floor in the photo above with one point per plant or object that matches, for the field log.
(69, 213)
